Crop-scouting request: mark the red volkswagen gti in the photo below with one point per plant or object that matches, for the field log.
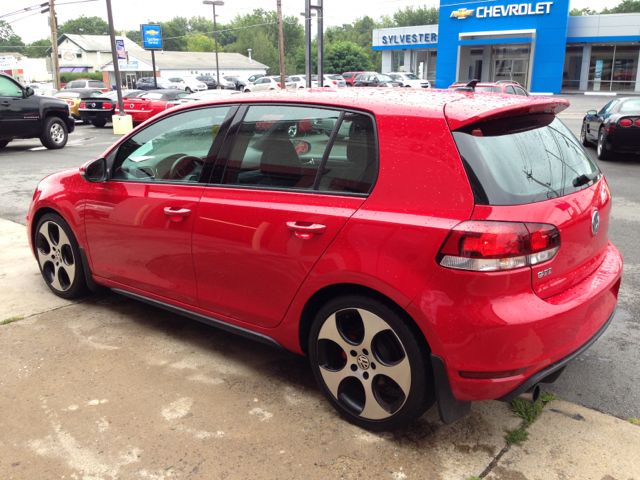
(433, 246)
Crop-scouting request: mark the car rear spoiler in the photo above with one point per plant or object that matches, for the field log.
(474, 109)
(469, 87)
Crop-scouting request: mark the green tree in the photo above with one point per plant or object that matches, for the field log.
(9, 40)
(346, 57)
(201, 43)
(262, 50)
(84, 26)
(626, 6)
(412, 16)
(38, 49)
(174, 34)
(134, 36)
(575, 12)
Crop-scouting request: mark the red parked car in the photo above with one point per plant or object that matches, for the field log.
(350, 77)
(501, 86)
(444, 247)
(151, 103)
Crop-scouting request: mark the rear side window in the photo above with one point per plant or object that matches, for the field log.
(523, 159)
(289, 147)
(488, 89)
(96, 84)
(630, 106)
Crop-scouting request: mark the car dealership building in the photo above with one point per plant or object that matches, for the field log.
(536, 44)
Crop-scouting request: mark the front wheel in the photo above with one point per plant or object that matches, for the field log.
(188, 90)
(59, 257)
(601, 149)
(55, 134)
(372, 366)
(583, 135)
(247, 90)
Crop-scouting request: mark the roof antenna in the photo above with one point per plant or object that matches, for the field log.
(469, 87)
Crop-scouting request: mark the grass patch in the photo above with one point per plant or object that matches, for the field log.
(11, 320)
(474, 478)
(635, 421)
(548, 397)
(516, 436)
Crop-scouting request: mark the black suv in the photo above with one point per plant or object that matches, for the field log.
(25, 115)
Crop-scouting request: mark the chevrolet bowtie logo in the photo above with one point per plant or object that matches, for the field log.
(462, 13)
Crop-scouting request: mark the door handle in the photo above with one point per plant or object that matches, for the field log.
(177, 214)
(6, 102)
(305, 230)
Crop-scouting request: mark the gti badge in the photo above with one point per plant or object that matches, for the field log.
(544, 273)
(595, 223)
(462, 13)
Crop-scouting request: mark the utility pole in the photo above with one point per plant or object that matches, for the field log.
(55, 65)
(281, 45)
(320, 42)
(215, 33)
(114, 58)
(307, 41)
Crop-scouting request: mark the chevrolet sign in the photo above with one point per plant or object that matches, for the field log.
(462, 13)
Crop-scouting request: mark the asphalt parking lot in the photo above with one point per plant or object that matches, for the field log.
(234, 408)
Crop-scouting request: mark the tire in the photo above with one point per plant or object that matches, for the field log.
(601, 150)
(583, 135)
(4, 143)
(54, 134)
(247, 91)
(99, 123)
(353, 340)
(59, 257)
(188, 90)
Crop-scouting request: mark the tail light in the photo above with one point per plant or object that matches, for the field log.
(104, 89)
(493, 246)
(611, 128)
(278, 85)
(83, 105)
(334, 82)
(107, 105)
(71, 103)
(637, 122)
(625, 122)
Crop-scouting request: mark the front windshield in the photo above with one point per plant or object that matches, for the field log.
(385, 78)
(411, 76)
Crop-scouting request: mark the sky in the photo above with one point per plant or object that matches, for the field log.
(129, 14)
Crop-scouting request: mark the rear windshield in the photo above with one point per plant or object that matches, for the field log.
(488, 89)
(524, 159)
(630, 106)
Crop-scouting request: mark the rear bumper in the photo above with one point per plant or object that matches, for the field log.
(96, 114)
(473, 328)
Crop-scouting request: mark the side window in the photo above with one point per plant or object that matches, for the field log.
(9, 88)
(352, 163)
(520, 91)
(283, 147)
(510, 90)
(608, 107)
(174, 149)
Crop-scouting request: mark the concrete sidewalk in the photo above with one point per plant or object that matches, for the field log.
(108, 388)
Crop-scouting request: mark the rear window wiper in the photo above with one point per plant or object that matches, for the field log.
(584, 179)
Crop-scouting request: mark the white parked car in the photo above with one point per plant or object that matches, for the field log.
(188, 84)
(202, 97)
(410, 80)
(268, 83)
(40, 88)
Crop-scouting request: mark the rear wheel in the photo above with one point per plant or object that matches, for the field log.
(59, 257)
(371, 365)
(188, 90)
(98, 123)
(601, 150)
(247, 90)
(54, 135)
(4, 143)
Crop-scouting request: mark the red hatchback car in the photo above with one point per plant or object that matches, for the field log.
(434, 246)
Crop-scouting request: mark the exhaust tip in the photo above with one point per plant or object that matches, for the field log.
(531, 395)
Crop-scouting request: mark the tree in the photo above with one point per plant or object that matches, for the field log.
(412, 16)
(38, 49)
(174, 34)
(262, 49)
(134, 36)
(626, 6)
(84, 26)
(346, 57)
(201, 43)
(575, 12)
(9, 41)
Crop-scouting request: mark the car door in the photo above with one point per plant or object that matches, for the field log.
(19, 113)
(262, 225)
(596, 120)
(139, 222)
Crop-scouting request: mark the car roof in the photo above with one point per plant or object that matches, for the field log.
(462, 108)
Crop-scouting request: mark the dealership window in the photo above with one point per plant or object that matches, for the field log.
(424, 64)
(572, 68)
(613, 68)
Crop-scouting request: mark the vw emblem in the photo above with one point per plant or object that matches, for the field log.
(595, 223)
(363, 362)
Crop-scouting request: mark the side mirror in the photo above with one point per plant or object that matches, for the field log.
(29, 92)
(94, 171)
(592, 112)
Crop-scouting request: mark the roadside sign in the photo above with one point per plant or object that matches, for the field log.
(7, 62)
(122, 55)
(151, 37)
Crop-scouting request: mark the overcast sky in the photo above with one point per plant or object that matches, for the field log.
(129, 14)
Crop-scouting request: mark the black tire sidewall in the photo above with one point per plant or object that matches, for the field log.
(46, 140)
(602, 153)
(422, 394)
(583, 133)
(79, 284)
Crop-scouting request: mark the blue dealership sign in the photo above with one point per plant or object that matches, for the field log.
(151, 37)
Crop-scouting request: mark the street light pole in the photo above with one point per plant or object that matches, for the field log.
(215, 33)
(114, 58)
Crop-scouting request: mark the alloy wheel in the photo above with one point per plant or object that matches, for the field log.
(56, 132)
(363, 364)
(55, 255)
